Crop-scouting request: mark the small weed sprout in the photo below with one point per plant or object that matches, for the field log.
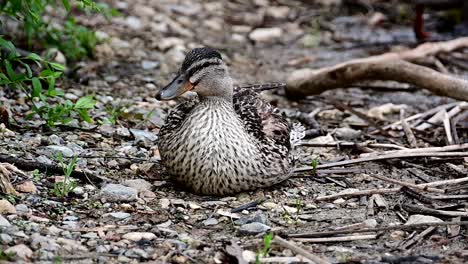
(266, 247)
(62, 189)
(314, 165)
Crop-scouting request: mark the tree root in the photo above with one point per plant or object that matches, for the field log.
(395, 66)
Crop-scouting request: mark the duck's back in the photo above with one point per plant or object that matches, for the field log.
(218, 147)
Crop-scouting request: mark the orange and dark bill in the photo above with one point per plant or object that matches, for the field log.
(176, 87)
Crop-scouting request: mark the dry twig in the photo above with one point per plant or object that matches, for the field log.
(394, 66)
(299, 250)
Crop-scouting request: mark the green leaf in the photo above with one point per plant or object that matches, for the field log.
(37, 87)
(11, 73)
(57, 66)
(34, 57)
(66, 4)
(85, 115)
(85, 102)
(9, 46)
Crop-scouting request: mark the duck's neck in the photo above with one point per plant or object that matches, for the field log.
(218, 99)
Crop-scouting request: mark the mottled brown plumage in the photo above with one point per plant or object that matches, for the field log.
(224, 141)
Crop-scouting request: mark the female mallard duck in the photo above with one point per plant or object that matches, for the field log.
(228, 140)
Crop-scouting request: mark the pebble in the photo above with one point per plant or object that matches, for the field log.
(42, 242)
(122, 131)
(194, 206)
(21, 251)
(422, 219)
(339, 201)
(133, 22)
(5, 239)
(136, 253)
(137, 236)
(117, 215)
(270, 205)
(71, 245)
(347, 133)
(53, 230)
(257, 218)
(65, 151)
(22, 209)
(210, 221)
(6, 207)
(118, 193)
(3, 221)
(164, 203)
(26, 187)
(266, 34)
(149, 65)
(253, 228)
(143, 135)
(78, 190)
(138, 184)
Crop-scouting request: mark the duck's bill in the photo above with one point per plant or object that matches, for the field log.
(177, 87)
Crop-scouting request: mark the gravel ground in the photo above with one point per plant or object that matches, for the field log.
(136, 214)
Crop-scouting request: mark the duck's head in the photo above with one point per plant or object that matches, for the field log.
(204, 72)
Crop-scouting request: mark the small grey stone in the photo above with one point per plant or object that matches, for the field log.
(55, 140)
(53, 230)
(136, 253)
(253, 228)
(347, 133)
(78, 190)
(210, 221)
(122, 131)
(118, 193)
(21, 251)
(42, 242)
(22, 209)
(4, 222)
(139, 184)
(266, 34)
(257, 218)
(70, 218)
(133, 22)
(149, 65)
(328, 206)
(91, 235)
(65, 151)
(117, 215)
(5, 239)
(143, 135)
(422, 219)
(70, 224)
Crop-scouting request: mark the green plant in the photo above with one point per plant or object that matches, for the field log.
(4, 256)
(37, 77)
(63, 188)
(314, 165)
(299, 205)
(75, 41)
(266, 247)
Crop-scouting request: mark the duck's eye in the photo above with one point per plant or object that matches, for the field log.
(179, 81)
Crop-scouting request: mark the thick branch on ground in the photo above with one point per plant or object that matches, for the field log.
(389, 66)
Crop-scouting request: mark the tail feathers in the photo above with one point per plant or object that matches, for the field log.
(261, 87)
(297, 134)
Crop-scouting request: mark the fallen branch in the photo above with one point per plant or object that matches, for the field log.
(298, 250)
(395, 66)
(429, 211)
(377, 229)
(388, 190)
(407, 184)
(30, 165)
(422, 150)
(394, 155)
(336, 239)
(418, 237)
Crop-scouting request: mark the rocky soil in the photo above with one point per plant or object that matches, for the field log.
(136, 214)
